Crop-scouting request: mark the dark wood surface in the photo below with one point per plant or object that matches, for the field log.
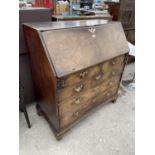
(29, 15)
(127, 13)
(113, 8)
(43, 75)
(95, 49)
(59, 98)
(124, 12)
(127, 17)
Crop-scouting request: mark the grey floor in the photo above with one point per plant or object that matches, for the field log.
(109, 130)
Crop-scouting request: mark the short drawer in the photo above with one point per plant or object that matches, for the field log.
(70, 112)
(113, 65)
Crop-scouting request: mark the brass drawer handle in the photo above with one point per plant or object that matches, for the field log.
(98, 77)
(111, 83)
(113, 73)
(76, 114)
(108, 94)
(97, 88)
(113, 62)
(83, 74)
(79, 88)
(77, 101)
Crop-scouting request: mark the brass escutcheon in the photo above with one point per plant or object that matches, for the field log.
(79, 88)
(92, 31)
(83, 74)
(110, 83)
(113, 62)
(77, 101)
(98, 77)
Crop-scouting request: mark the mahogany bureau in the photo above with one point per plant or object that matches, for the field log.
(75, 67)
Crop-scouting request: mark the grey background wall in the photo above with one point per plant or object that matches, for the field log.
(28, 15)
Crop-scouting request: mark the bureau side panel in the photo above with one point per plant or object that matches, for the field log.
(43, 76)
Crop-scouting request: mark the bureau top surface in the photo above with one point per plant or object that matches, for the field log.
(79, 47)
(43, 26)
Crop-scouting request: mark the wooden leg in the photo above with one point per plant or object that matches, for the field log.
(38, 110)
(27, 118)
(59, 137)
(114, 101)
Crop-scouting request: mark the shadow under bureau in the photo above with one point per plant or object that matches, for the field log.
(75, 67)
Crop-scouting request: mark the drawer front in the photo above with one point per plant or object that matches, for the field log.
(87, 84)
(102, 68)
(70, 112)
